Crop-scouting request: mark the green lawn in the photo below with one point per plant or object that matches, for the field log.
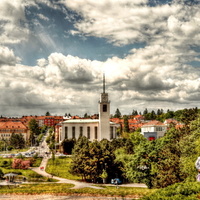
(64, 189)
(61, 167)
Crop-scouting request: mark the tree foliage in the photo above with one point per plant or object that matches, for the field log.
(117, 114)
(17, 141)
(91, 158)
(169, 159)
(34, 131)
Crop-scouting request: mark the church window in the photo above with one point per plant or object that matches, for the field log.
(111, 133)
(66, 132)
(88, 132)
(81, 131)
(104, 108)
(73, 132)
(95, 132)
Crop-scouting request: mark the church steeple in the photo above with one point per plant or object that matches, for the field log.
(104, 83)
(104, 113)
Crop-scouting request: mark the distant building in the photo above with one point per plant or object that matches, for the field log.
(9, 127)
(43, 120)
(93, 129)
(173, 122)
(153, 130)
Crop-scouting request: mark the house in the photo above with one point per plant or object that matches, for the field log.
(153, 129)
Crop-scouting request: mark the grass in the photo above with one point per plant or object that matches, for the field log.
(64, 189)
(29, 174)
(61, 167)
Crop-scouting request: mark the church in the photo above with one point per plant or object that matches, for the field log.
(93, 129)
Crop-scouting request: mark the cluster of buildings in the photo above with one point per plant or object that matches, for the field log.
(95, 128)
(20, 125)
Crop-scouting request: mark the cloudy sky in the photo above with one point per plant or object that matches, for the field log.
(53, 54)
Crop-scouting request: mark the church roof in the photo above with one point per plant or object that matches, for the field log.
(82, 121)
(79, 121)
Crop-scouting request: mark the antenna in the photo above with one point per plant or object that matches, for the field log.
(104, 84)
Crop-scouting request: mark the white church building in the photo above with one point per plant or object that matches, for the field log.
(93, 129)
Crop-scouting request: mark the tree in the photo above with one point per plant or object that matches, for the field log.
(90, 159)
(47, 113)
(126, 124)
(86, 115)
(134, 112)
(117, 114)
(80, 156)
(145, 111)
(34, 131)
(17, 141)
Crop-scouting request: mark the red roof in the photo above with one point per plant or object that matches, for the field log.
(154, 123)
(12, 125)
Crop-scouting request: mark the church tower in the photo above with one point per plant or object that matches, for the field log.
(104, 114)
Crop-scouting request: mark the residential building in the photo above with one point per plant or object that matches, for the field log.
(9, 127)
(153, 130)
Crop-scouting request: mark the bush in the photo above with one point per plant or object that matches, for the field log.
(21, 164)
(178, 191)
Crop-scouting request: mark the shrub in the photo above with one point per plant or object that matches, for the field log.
(21, 164)
(178, 191)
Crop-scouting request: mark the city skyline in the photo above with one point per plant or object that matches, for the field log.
(53, 54)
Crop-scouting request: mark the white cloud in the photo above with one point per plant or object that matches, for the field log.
(12, 18)
(7, 56)
(41, 16)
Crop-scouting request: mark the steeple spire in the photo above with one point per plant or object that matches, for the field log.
(104, 83)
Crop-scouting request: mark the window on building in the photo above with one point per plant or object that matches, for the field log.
(66, 132)
(81, 131)
(95, 133)
(88, 132)
(104, 107)
(73, 132)
(159, 128)
(111, 133)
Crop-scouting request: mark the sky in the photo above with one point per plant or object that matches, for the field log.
(53, 54)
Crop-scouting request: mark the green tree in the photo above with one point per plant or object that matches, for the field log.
(117, 114)
(134, 112)
(80, 157)
(126, 124)
(47, 113)
(145, 111)
(34, 131)
(90, 159)
(17, 141)
(169, 114)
